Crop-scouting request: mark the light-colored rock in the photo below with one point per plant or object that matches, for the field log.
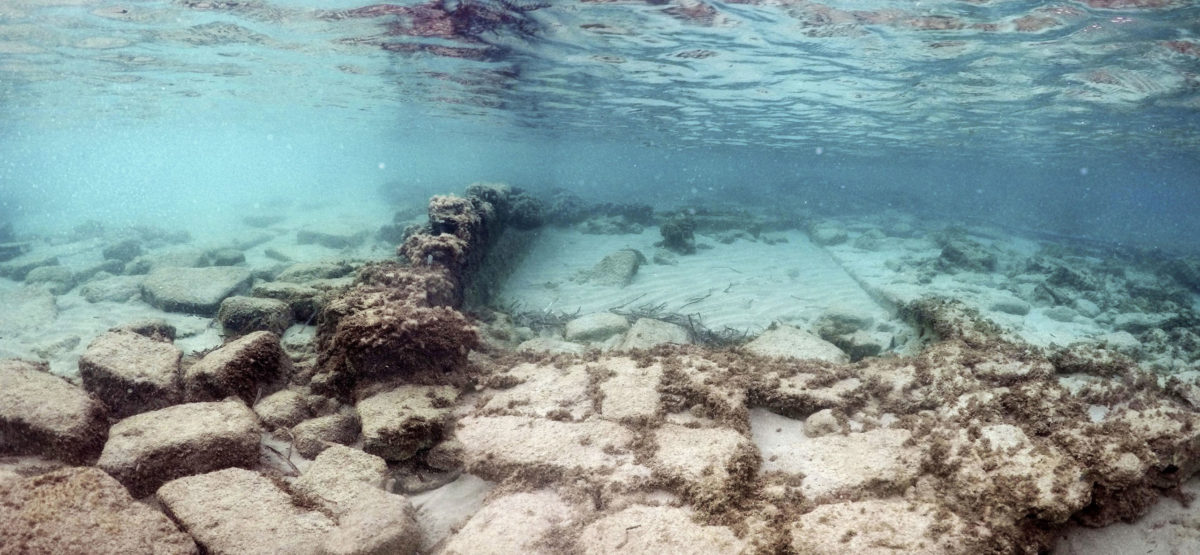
(334, 236)
(82, 510)
(828, 233)
(241, 511)
(118, 289)
(311, 271)
(283, 409)
(542, 391)
(42, 414)
(835, 465)
(240, 367)
(398, 423)
(712, 463)
(787, 341)
(661, 530)
(326, 482)
(647, 333)
(1064, 314)
(56, 279)
(193, 290)
(551, 345)
(879, 526)
(146, 450)
(616, 269)
(630, 392)
(131, 373)
(821, 423)
(495, 446)
(304, 301)
(597, 326)
(514, 523)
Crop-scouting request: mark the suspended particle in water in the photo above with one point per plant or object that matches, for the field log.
(382, 165)
(1083, 171)
(819, 150)
(695, 191)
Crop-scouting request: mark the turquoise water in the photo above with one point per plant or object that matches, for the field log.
(1078, 118)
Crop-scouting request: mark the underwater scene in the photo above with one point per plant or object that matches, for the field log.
(599, 276)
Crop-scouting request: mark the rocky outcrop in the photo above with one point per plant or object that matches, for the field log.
(131, 373)
(242, 368)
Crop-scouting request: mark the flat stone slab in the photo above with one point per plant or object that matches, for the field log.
(398, 423)
(146, 450)
(238, 368)
(616, 269)
(241, 511)
(193, 290)
(879, 526)
(837, 464)
(498, 445)
(43, 414)
(712, 462)
(597, 326)
(647, 333)
(131, 373)
(787, 341)
(82, 510)
(630, 392)
(641, 529)
(542, 391)
(512, 523)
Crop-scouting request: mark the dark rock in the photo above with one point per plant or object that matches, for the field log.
(43, 414)
(1064, 276)
(338, 237)
(147, 450)
(966, 255)
(310, 271)
(277, 255)
(131, 373)
(241, 315)
(185, 257)
(226, 257)
(117, 289)
(316, 434)
(153, 328)
(398, 423)
(193, 290)
(82, 510)
(828, 233)
(303, 300)
(123, 251)
(17, 268)
(679, 233)
(57, 279)
(240, 367)
(262, 220)
(10, 250)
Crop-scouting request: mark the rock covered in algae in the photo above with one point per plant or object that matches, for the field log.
(43, 414)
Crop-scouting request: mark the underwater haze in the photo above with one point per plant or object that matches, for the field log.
(1076, 118)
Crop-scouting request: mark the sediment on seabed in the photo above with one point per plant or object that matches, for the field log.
(416, 425)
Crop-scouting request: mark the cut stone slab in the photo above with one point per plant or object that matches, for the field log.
(496, 446)
(304, 301)
(334, 237)
(283, 409)
(240, 315)
(311, 271)
(193, 290)
(131, 373)
(890, 525)
(834, 465)
(82, 510)
(551, 345)
(316, 434)
(630, 393)
(241, 511)
(398, 423)
(514, 523)
(325, 482)
(616, 269)
(641, 529)
(712, 463)
(146, 450)
(647, 333)
(596, 327)
(117, 289)
(787, 341)
(43, 414)
(543, 391)
(239, 368)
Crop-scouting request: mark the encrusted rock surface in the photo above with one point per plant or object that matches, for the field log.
(240, 368)
(131, 373)
(193, 290)
(45, 415)
(240, 315)
(146, 450)
(398, 423)
(787, 341)
(596, 327)
(82, 510)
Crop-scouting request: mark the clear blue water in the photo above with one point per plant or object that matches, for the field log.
(1069, 117)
